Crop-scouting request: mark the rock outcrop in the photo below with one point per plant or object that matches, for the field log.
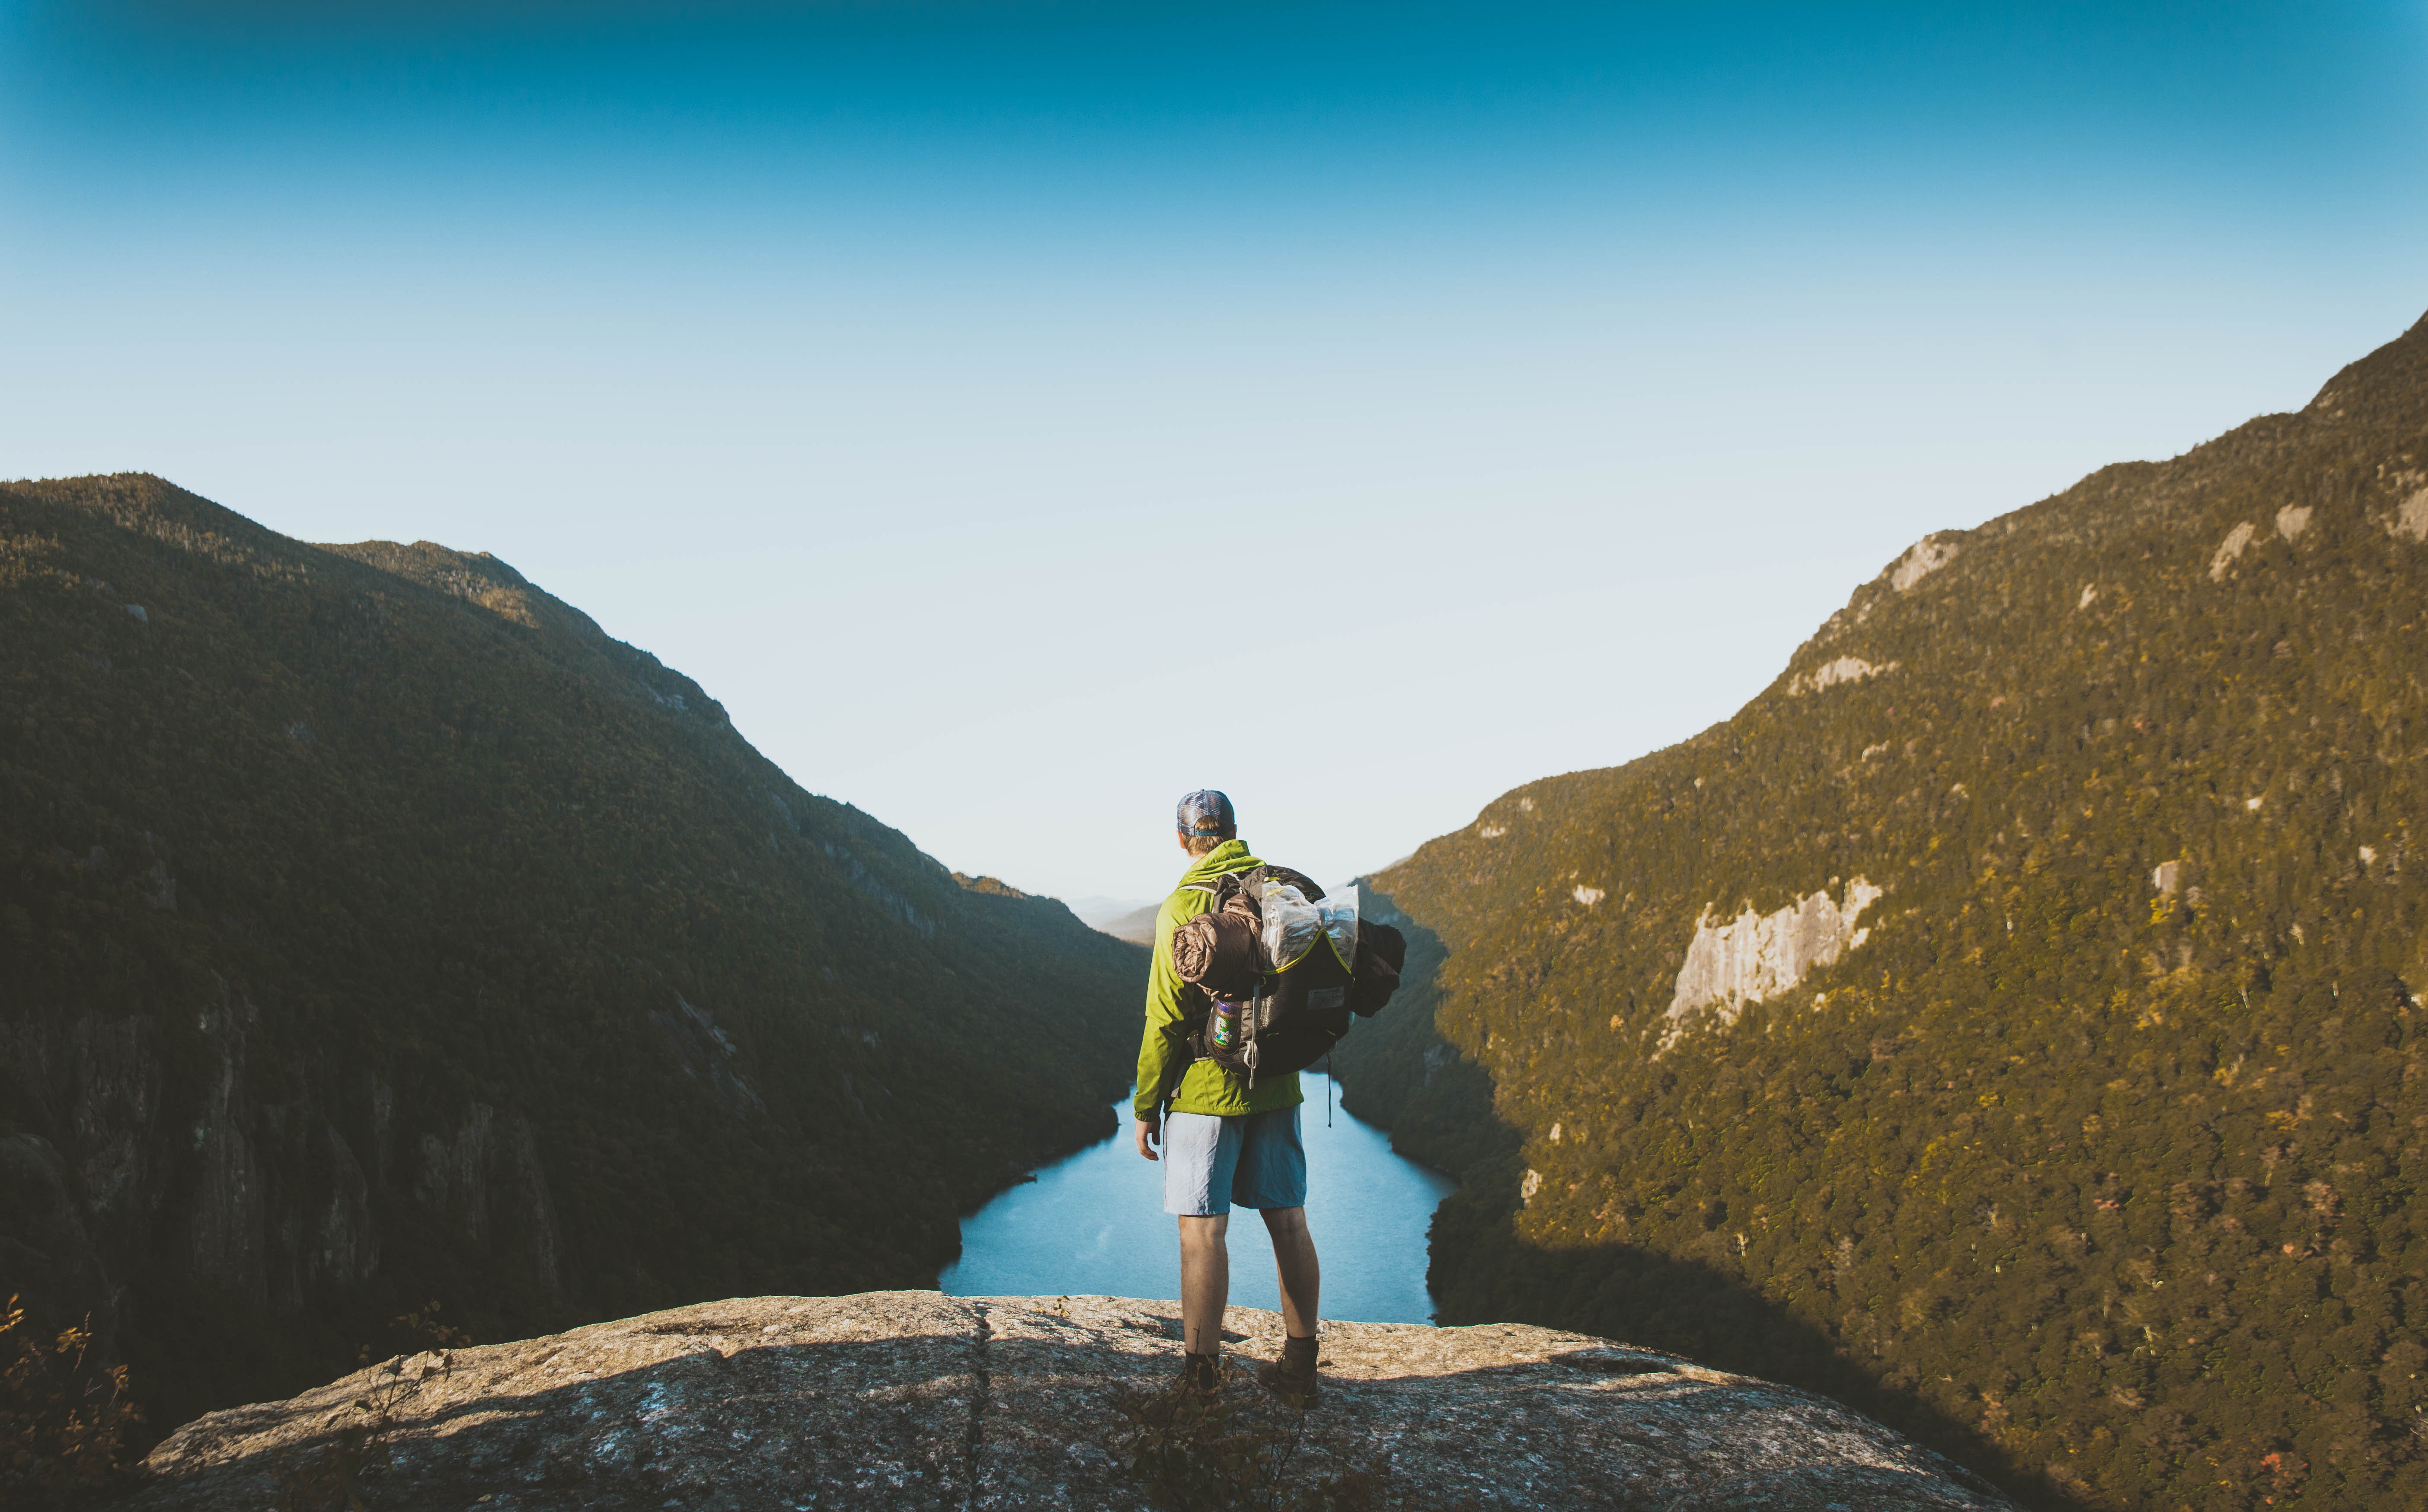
(902, 1399)
(1755, 957)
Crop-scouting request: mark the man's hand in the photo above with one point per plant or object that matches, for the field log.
(1149, 1136)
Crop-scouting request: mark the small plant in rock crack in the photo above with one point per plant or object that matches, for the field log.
(63, 1425)
(1198, 1452)
(331, 1479)
(426, 1323)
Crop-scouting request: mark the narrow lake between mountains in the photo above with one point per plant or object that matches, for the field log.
(1093, 1223)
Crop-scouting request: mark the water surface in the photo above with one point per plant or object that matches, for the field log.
(1093, 1223)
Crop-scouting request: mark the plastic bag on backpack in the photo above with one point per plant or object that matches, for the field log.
(1293, 926)
(1339, 911)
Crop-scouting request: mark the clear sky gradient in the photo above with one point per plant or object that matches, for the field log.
(1021, 413)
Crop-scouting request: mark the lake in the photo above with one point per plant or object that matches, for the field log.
(1093, 1223)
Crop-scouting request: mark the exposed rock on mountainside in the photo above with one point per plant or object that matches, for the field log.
(2097, 1164)
(1829, 674)
(376, 930)
(1755, 957)
(911, 1398)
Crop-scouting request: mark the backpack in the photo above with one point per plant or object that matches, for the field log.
(1283, 968)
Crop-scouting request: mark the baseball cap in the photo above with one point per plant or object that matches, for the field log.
(1207, 812)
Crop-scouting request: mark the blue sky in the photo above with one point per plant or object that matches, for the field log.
(956, 389)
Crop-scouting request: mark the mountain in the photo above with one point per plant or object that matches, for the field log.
(1093, 910)
(377, 934)
(2008, 1021)
(1137, 925)
(1123, 920)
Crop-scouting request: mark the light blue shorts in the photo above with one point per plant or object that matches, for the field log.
(1253, 1159)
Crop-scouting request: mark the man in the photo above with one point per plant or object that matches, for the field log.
(1224, 1142)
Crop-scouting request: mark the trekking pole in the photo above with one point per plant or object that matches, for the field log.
(1327, 1086)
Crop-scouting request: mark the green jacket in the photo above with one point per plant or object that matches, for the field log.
(1171, 1004)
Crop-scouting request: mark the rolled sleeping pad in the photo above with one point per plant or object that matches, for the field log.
(1217, 951)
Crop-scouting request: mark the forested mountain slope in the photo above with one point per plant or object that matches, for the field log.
(375, 930)
(2007, 1021)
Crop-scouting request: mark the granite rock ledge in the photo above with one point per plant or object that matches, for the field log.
(913, 1399)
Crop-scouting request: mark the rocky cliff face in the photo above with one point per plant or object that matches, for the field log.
(375, 930)
(910, 1399)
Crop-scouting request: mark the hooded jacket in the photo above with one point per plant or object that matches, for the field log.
(1173, 1006)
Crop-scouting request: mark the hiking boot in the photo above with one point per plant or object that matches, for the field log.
(1293, 1377)
(1201, 1373)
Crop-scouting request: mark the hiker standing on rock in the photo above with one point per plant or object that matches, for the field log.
(1224, 1141)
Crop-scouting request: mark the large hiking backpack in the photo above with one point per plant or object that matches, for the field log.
(1284, 968)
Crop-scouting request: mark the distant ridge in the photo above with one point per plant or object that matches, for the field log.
(1122, 919)
(374, 928)
(2008, 1020)
(1137, 925)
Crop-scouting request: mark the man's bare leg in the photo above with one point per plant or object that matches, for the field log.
(1294, 1262)
(1293, 1377)
(1205, 1282)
